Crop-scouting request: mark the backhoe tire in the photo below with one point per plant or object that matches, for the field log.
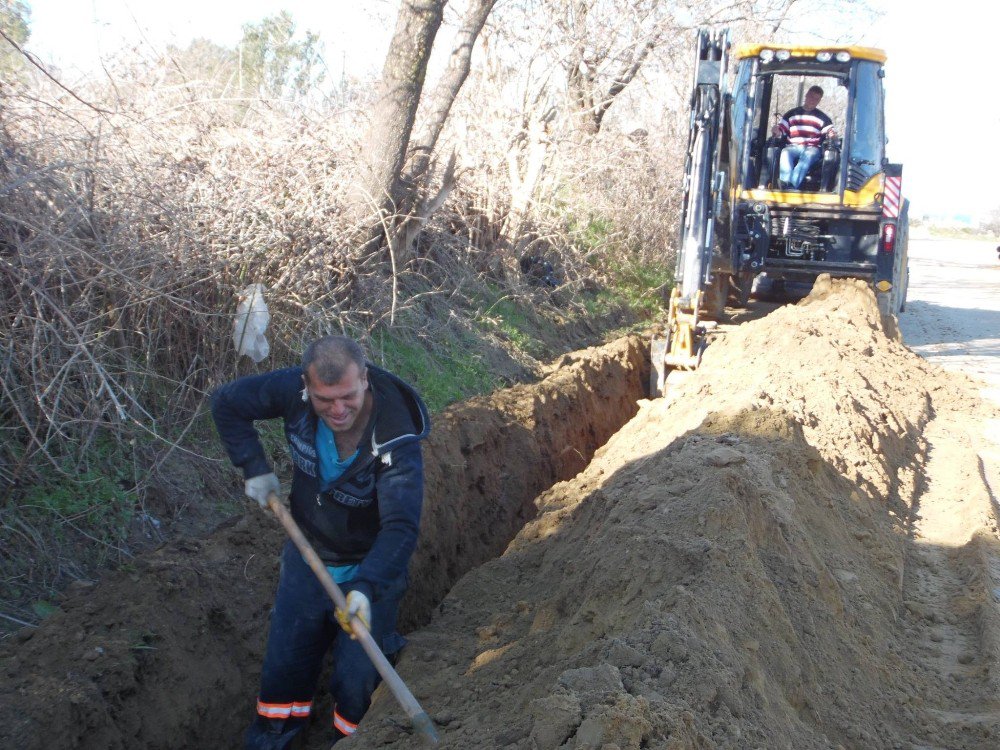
(902, 281)
(894, 301)
(891, 302)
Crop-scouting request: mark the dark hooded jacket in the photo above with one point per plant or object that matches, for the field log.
(371, 514)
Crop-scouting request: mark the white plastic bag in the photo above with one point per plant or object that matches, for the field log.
(251, 322)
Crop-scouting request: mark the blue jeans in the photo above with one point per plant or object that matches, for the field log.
(303, 629)
(795, 163)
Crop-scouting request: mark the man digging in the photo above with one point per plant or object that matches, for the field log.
(354, 434)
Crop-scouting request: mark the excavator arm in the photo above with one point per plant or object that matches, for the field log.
(684, 341)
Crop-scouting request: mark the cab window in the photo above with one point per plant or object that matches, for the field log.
(867, 133)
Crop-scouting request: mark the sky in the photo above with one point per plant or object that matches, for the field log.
(940, 106)
(75, 34)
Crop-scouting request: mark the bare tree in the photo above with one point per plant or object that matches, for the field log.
(396, 185)
(571, 60)
(421, 201)
(606, 45)
(603, 45)
(380, 185)
(448, 87)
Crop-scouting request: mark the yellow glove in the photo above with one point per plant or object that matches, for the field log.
(357, 606)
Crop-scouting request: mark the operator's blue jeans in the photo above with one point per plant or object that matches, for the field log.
(795, 163)
(303, 629)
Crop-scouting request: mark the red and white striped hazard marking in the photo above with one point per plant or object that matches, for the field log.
(891, 198)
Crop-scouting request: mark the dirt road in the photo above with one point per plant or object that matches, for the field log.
(953, 320)
(953, 310)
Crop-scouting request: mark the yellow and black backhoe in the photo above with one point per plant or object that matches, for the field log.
(742, 227)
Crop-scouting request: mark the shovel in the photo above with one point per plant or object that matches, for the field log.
(418, 717)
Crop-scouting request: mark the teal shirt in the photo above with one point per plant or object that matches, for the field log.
(330, 470)
(343, 573)
(330, 466)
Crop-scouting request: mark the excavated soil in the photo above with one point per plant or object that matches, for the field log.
(795, 549)
(167, 654)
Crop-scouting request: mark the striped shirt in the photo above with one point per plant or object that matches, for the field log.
(805, 128)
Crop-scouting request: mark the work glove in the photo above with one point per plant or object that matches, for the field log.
(258, 488)
(357, 606)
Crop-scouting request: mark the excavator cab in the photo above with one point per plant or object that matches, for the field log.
(847, 217)
(741, 224)
(785, 96)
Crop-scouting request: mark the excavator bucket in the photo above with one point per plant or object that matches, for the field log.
(658, 370)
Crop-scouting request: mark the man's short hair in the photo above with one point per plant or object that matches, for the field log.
(815, 90)
(330, 357)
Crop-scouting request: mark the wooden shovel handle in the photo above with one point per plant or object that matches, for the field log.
(418, 717)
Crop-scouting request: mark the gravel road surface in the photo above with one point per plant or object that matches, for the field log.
(952, 318)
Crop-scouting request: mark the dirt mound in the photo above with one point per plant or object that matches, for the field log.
(730, 571)
(167, 654)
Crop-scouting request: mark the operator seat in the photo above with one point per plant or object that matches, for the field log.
(822, 175)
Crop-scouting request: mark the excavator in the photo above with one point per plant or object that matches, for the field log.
(742, 228)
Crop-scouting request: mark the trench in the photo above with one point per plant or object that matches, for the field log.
(166, 654)
(488, 458)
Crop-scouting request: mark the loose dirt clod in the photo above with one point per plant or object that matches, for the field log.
(735, 568)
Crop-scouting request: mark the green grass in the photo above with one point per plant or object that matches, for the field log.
(43, 608)
(96, 496)
(448, 372)
(640, 286)
(601, 303)
(272, 438)
(506, 317)
(142, 640)
(643, 287)
(596, 233)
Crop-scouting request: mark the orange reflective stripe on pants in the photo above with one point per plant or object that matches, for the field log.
(283, 710)
(343, 725)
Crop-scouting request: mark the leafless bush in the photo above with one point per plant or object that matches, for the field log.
(127, 227)
(124, 240)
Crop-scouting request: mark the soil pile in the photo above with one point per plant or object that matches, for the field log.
(735, 569)
(166, 654)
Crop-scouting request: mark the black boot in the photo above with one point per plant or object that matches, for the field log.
(274, 734)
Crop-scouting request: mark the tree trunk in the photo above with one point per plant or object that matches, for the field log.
(420, 202)
(448, 87)
(380, 185)
(623, 79)
(526, 161)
